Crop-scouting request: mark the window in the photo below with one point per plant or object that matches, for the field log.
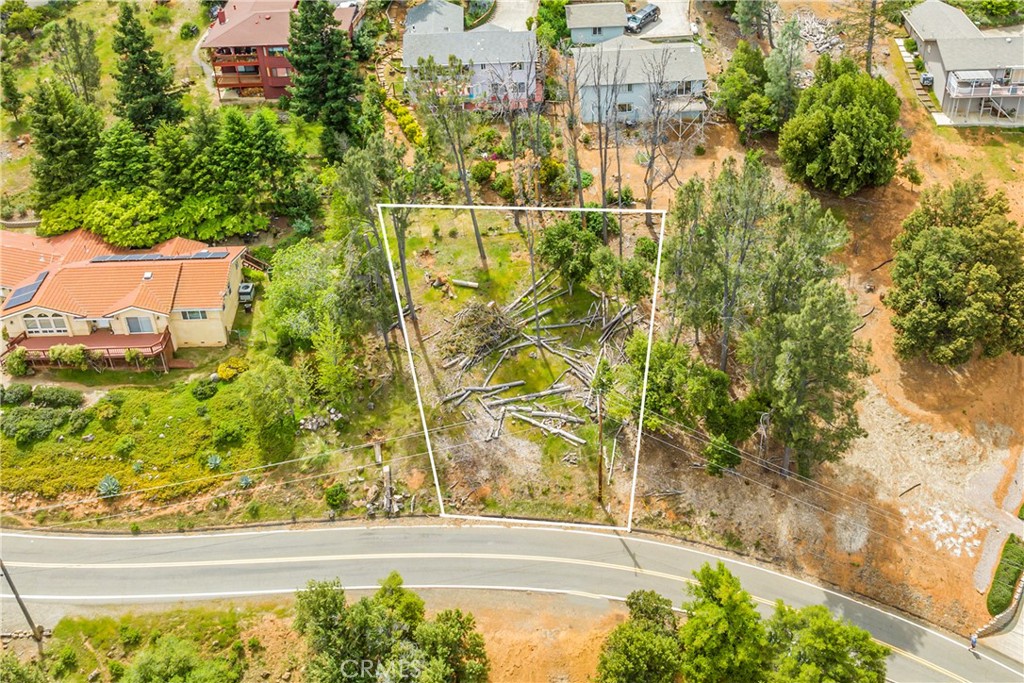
(629, 87)
(139, 325)
(625, 107)
(248, 69)
(517, 66)
(281, 72)
(684, 88)
(45, 324)
(597, 31)
(277, 51)
(483, 67)
(193, 315)
(520, 88)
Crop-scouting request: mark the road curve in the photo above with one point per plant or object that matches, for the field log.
(90, 570)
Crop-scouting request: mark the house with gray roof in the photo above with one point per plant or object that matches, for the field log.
(979, 77)
(625, 78)
(502, 64)
(595, 22)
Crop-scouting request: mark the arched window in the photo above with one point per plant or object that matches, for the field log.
(45, 324)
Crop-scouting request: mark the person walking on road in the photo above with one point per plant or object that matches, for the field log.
(974, 642)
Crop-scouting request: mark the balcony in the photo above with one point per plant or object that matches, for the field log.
(981, 88)
(108, 347)
(238, 80)
(218, 57)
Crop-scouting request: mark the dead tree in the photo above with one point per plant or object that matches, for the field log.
(440, 91)
(604, 73)
(569, 75)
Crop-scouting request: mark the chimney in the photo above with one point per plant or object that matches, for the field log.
(147, 275)
(221, 17)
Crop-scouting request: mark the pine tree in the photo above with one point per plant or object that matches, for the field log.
(325, 83)
(781, 66)
(66, 134)
(172, 160)
(123, 160)
(144, 96)
(73, 46)
(754, 16)
(11, 99)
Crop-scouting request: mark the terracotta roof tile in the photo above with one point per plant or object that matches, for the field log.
(23, 256)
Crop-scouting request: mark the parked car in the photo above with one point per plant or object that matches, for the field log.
(642, 17)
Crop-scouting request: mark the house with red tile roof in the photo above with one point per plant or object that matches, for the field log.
(247, 44)
(76, 289)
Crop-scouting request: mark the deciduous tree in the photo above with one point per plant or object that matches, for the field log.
(568, 246)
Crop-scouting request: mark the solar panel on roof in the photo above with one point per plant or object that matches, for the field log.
(22, 295)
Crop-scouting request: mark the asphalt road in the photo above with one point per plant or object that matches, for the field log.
(88, 570)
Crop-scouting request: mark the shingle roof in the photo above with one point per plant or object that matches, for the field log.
(434, 16)
(989, 52)
(595, 14)
(934, 19)
(252, 23)
(84, 288)
(632, 57)
(479, 47)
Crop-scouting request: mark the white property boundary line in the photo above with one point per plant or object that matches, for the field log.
(415, 379)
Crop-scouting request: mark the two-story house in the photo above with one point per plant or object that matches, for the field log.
(76, 289)
(247, 45)
(501, 64)
(595, 22)
(979, 77)
(619, 80)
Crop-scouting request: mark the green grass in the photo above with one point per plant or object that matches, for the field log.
(97, 643)
(1007, 574)
(172, 442)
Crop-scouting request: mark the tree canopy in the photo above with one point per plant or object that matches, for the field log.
(958, 276)
(144, 85)
(845, 134)
(66, 134)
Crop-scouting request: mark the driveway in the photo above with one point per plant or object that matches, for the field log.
(512, 14)
(62, 572)
(673, 24)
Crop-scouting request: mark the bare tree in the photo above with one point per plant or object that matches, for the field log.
(440, 91)
(569, 77)
(605, 75)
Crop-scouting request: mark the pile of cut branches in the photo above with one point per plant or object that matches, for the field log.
(477, 329)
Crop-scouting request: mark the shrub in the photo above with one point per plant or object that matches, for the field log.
(406, 121)
(910, 45)
(586, 176)
(303, 226)
(253, 510)
(203, 389)
(79, 420)
(16, 394)
(109, 486)
(245, 482)
(504, 186)
(1007, 574)
(487, 139)
(124, 445)
(27, 425)
(482, 171)
(16, 363)
(116, 669)
(65, 662)
(107, 410)
(161, 16)
(647, 249)
(213, 462)
(137, 467)
(918, 63)
(188, 30)
(228, 434)
(551, 172)
(232, 368)
(612, 196)
(128, 634)
(72, 355)
(336, 497)
(57, 397)
(135, 529)
(699, 150)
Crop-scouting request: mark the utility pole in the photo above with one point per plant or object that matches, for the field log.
(37, 631)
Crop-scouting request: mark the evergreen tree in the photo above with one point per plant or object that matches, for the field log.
(781, 66)
(845, 134)
(959, 277)
(11, 99)
(66, 134)
(172, 161)
(235, 155)
(325, 84)
(73, 46)
(754, 16)
(144, 96)
(816, 383)
(744, 76)
(123, 159)
(723, 638)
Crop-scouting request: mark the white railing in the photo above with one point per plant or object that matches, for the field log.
(954, 88)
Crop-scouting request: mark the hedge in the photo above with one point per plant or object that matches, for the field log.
(1007, 574)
